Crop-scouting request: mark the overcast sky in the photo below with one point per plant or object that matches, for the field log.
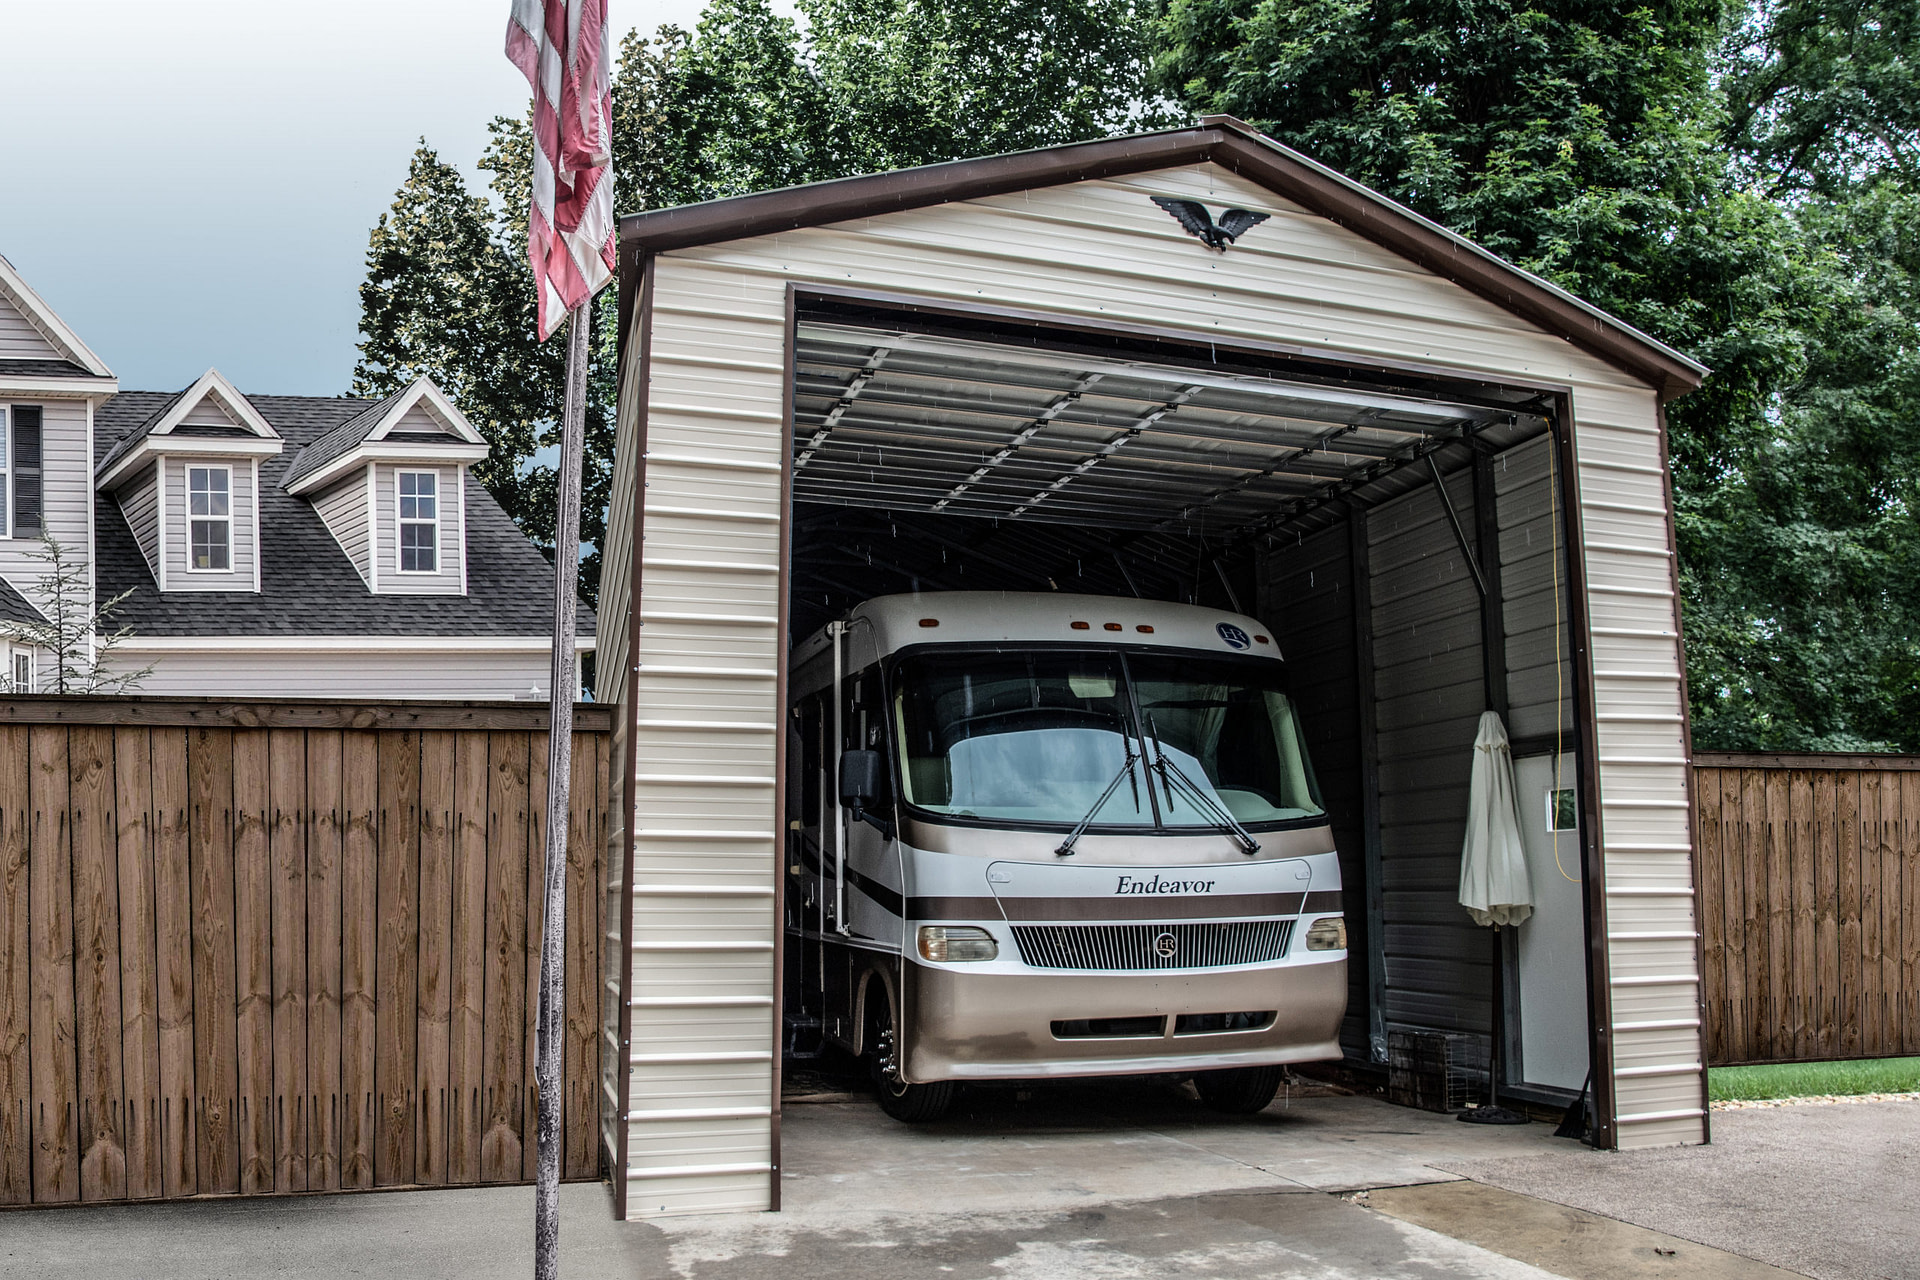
(190, 183)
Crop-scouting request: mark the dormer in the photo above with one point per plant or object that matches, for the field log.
(391, 485)
(188, 482)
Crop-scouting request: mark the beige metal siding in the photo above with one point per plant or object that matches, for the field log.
(446, 579)
(343, 509)
(139, 504)
(239, 576)
(708, 653)
(366, 671)
(66, 488)
(19, 340)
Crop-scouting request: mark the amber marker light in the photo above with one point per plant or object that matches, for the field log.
(1256, 639)
(1114, 626)
(929, 622)
(1144, 629)
(1081, 626)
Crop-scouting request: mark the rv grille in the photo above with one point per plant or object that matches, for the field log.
(1152, 946)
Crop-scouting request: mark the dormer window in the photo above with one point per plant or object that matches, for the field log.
(419, 508)
(20, 431)
(210, 519)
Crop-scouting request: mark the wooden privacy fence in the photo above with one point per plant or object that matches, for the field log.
(1810, 905)
(280, 947)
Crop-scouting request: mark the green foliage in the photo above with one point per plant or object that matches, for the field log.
(1814, 1079)
(1637, 155)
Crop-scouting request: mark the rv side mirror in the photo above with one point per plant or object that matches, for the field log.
(859, 778)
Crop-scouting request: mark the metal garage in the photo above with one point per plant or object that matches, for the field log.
(1440, 482)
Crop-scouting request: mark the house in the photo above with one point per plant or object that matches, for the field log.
(304, 546)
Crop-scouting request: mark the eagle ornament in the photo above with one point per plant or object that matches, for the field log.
(1193, 215)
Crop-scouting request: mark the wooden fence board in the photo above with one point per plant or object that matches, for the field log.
(1839, 967)
(537, 770)
(173, 927)
(359, 902)
(275, 958)
(16, 992)
(434, 1006)
(507, 863)
(396, 1016)
(139, 993)
(287, 849)
(466, 1019)
(324, 828)
(56, 1155)
(96, 936)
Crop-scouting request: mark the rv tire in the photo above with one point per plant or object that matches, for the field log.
(908, 1103)
(1238, 1091)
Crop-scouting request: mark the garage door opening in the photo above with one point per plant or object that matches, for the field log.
(1402, 538)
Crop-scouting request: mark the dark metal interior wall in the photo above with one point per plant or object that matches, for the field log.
(1429, 689)
(1307, 599)
(1539, 666)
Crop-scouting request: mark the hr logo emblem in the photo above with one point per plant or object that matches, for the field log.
(1166, 946)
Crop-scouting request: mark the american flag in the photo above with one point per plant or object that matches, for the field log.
(561, 47)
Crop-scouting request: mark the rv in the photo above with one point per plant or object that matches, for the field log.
(1050, 835)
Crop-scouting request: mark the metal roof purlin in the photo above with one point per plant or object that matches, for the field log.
(1048, 414)
(847, 397)
(1108, 449)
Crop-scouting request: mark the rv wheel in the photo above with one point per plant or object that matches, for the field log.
(1240, 1091)
(911, 1103)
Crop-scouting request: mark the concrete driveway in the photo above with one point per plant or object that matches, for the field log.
(1101, 1181)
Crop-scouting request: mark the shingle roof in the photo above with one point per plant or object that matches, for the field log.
(14, 606)
(308, 586)
(133, 432)
(340, 440)
(42, 369)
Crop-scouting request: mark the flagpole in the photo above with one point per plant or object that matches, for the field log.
(553, 936)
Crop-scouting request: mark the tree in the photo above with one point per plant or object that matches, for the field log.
(75, 634)
(742, 104)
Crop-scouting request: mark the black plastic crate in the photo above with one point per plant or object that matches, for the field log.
(1436, 1070)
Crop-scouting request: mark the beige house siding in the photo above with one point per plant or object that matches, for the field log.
(208, 413)
(66, 488)
(240, 575)
(139, 503)
(19, 339)
(700, 1138)
(449, 578)
(343, 508)
(364, 668)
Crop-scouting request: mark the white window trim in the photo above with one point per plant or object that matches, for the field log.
(399, 562)
(186, 506)
(257, 557)
(160, 517)
(460, 486)
(13, 657)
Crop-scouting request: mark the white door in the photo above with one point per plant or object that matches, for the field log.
(1553, 941)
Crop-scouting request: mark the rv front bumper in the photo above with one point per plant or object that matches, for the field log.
(999, 1026)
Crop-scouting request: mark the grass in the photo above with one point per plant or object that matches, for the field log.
(1807, 1079)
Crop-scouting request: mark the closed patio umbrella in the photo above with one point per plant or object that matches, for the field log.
(1494, 885)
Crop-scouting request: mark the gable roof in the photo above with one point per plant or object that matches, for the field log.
(64, 341)
(1222, 140)
(171, 417)
(14, 606)
(308, 586)
(316, 464)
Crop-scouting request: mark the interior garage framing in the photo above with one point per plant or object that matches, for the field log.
(1362, 358)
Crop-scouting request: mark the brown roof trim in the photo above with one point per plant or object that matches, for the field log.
(1230, 143)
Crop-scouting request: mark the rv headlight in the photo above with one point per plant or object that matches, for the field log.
(1329, 933)
(952, 943)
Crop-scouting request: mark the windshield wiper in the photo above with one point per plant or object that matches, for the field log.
(1126, 772)
(1204, 803)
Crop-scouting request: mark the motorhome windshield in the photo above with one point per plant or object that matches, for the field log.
(1039, 737)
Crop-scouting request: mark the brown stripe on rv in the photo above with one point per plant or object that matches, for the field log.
(1218, 906)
